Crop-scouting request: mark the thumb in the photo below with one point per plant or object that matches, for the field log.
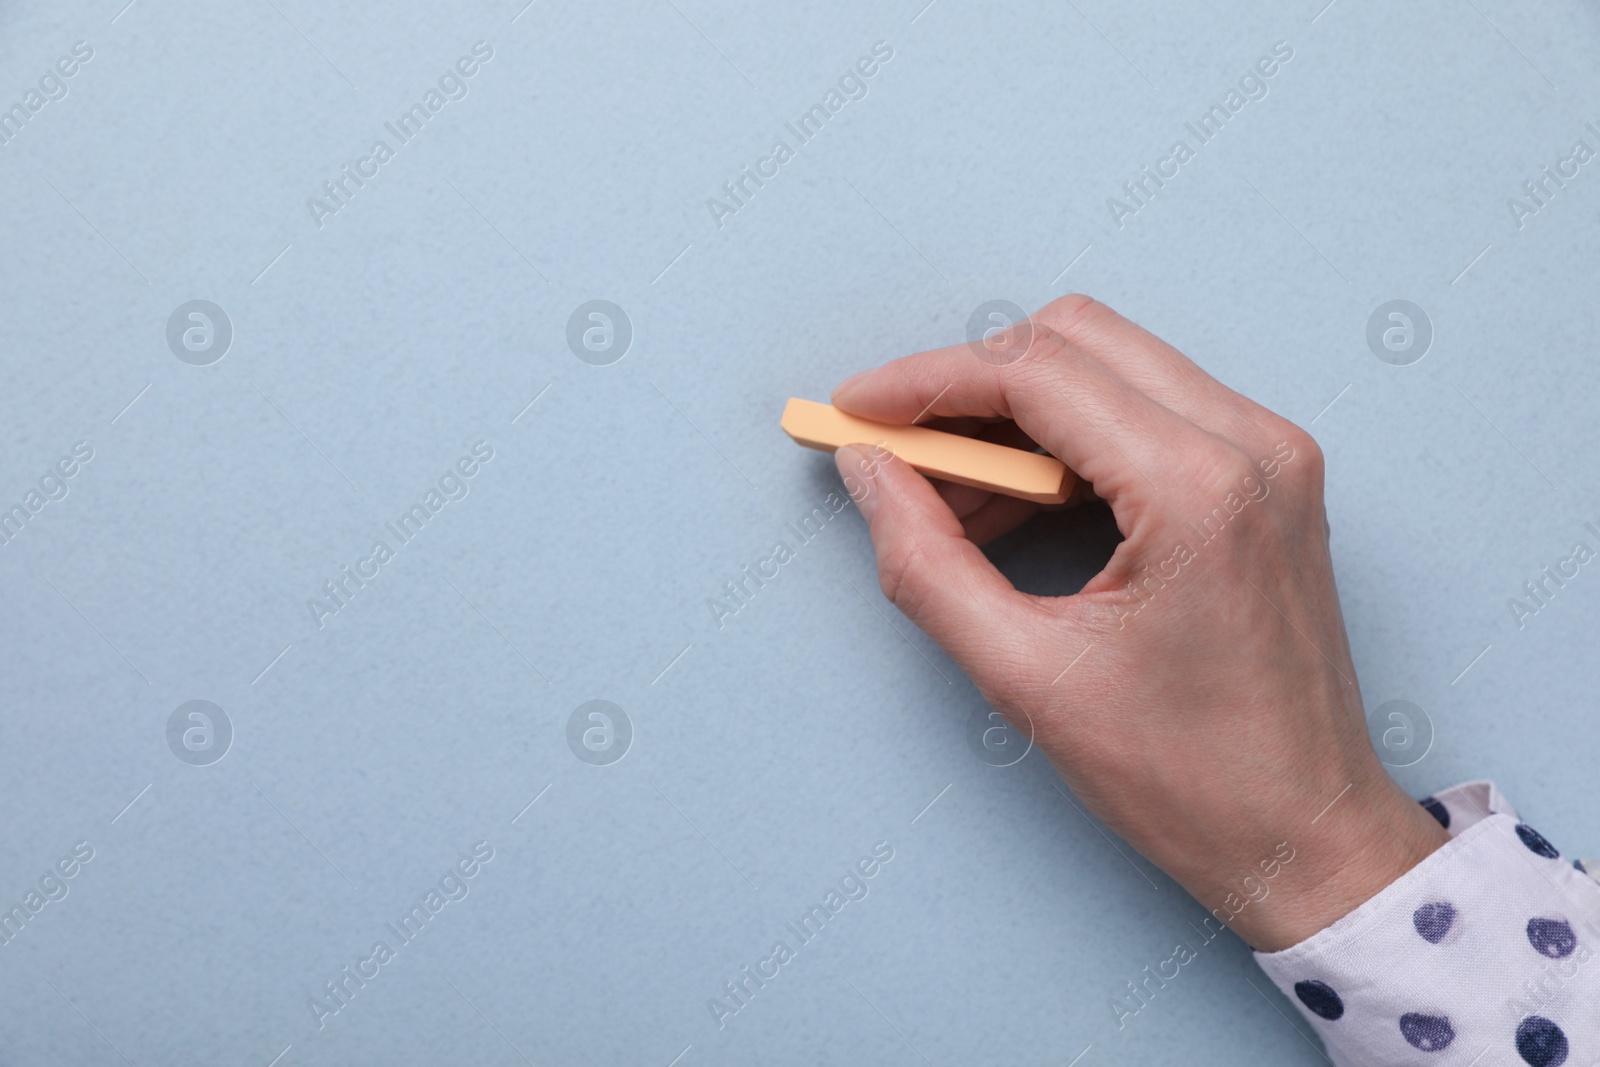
(929, 569)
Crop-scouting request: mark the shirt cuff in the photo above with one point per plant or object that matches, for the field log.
(1487, 948)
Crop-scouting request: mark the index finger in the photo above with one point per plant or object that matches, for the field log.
(1114, 436)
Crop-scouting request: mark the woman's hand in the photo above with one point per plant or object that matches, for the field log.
(1198, 694)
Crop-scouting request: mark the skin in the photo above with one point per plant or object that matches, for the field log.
(1214, 716)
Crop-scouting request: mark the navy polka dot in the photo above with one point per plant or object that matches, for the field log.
(1541, 1043)
(1320, 998)
(1578, 866)
(1552, 937)
(1433, 921)
(1437, 810)
(1430, 1033)
(1536, 842)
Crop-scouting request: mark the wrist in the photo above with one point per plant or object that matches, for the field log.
(1365, 839)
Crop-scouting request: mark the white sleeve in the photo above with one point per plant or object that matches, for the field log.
(1487, 952)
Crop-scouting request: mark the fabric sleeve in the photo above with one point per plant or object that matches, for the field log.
(1487, 952)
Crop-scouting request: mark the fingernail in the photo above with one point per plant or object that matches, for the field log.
(844, 387)
(852, 462)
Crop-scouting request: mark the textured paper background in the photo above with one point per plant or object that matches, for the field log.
(371, 352)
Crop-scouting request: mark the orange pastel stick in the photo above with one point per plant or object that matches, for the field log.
(952, 457)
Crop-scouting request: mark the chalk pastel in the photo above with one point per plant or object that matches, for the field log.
(949, 456)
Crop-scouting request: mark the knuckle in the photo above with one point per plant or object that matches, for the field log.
(1293, 435)
(1308, 464)
(1071, 326)
(1046, 349)
(1286, 449)
(1071, 314)
(1227, 468)
(902, 575)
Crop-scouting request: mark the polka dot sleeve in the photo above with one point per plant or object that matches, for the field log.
(1488, 952)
